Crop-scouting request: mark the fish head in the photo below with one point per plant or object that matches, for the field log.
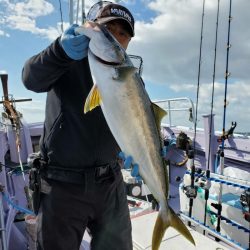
(103, 45)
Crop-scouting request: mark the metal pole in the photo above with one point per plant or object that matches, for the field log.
(3, 230)
(210, 231)
(83, 11)
(219, 205)
(169, 114)
(71, 11)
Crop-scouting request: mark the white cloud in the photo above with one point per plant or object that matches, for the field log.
(173, 7)
(3, 33)
(23, 23)
(171, 40)
(179, 87)
(169, 45)
(238, 96)
(32, 8)
(22, 16)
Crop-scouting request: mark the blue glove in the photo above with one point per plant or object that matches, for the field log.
(127, 161)
(75, 46)
(164, 152)
(127, 164)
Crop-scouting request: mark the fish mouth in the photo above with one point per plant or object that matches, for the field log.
(120, 52)
(103, 61)
(109, 36)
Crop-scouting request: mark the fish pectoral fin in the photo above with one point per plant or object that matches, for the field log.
(159, 114)
(123, 71)
(93, 100)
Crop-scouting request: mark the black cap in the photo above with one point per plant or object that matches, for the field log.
(114, 11)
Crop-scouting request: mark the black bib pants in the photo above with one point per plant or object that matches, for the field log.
(99, 204)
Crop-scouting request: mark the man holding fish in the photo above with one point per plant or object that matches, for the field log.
(96, 106)
(82, 185)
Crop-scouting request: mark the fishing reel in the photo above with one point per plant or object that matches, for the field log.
(245, 198)
(228, 133)
(183, 141)
(204, 183)
(190, 192)
(245, 202)
(34, 160)
(203, 180)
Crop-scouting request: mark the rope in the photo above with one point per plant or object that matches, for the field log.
(17, 207)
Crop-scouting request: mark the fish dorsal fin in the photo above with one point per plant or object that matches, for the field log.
(159, 114)
(93, 100)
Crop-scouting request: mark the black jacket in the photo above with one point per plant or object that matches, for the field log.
(71, 139)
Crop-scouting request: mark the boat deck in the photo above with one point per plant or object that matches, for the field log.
(172, 240)
(143, 219)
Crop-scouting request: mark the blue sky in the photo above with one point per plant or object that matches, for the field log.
(168, 39)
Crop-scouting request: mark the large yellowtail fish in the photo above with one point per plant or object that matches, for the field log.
(133, 119)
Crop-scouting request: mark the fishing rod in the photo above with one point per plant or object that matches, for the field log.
(199, 73)
(206, 196)
(3, 229)
(191, 153)
(206, 188)
(192, 191)
(218, 206)
(212, 95)
(13, 115)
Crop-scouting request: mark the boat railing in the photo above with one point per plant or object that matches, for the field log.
(184, 104)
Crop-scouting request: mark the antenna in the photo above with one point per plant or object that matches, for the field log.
(4, 79)
(13, 115)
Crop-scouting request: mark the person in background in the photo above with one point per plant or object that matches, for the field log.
(81, 182)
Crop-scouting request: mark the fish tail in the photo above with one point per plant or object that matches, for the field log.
(159, 230)
(178, 224)
(162, 224)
